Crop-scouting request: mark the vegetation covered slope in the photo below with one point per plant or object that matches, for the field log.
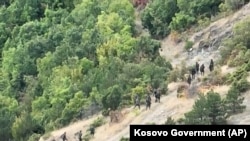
(62, 60)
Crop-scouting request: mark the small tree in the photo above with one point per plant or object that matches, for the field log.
(234, 102)
(207, 109)
(170, 121)
(113, 98)
(215, 108)
(199, 114)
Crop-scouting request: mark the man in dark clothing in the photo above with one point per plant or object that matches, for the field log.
(63, 136)
(189, 79)
(92, 130)
(211, 65)
(157, 95)
(137, 101)
(202, 69)
(193, 71)
(148, 102)
(197, 67)
(80, 135)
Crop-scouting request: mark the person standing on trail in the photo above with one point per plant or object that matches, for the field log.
(92, 130)
(63, 137)
(148, 102)
(137, 101)
(157, 95)
(211, 65)
(202, 69)
(193, 71)
(189, 79)
(197, 65)
(80, 135)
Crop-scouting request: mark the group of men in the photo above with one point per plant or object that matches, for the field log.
(78, 134)
(156, 93)
(195, 70)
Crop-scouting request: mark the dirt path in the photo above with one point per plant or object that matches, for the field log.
(170, 105)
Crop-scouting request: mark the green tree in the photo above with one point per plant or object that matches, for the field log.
(8, 110)
(181, 21)
(197, 8)
(216, 108)
(207, 109)
(241, 34)
(22, 127)
(73, 108)
(157, 16)
(234, 101)
(199, 113)
(112, 99)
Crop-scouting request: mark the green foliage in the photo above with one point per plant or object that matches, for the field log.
(181, 21)
(124, 139)
(237, 75)
(112, 99)
(188, 45)
(73, 108)
(61, 60)
(242, 85)
(235, 51)
(241, 34)
(234, 101)
(233, 4)
(156, 19)
(161, 17)
(178, 73)
(22, 127)
(207, 109)
(199, 7)
(98, 122)
(170, 121)
(8, 110)
(34, 137)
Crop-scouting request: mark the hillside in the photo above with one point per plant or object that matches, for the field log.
(74, 64)
(170, 105)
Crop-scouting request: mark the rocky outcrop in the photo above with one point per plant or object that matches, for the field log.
(212, 36)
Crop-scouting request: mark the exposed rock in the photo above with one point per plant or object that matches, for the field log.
(198, 36)
(203, 45)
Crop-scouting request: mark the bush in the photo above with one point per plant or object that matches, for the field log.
(216, 77)
(236, 76)
(124, 139)
(98, 122)
(174, 74)
(177, 73)
(34, 137)
(242, 85)
(188, 45)
(203, 22)
(247, 66)
(87, 137)
(181, 22)
(156, 19)
(105, 112)
(234, 4)
(170, 121)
